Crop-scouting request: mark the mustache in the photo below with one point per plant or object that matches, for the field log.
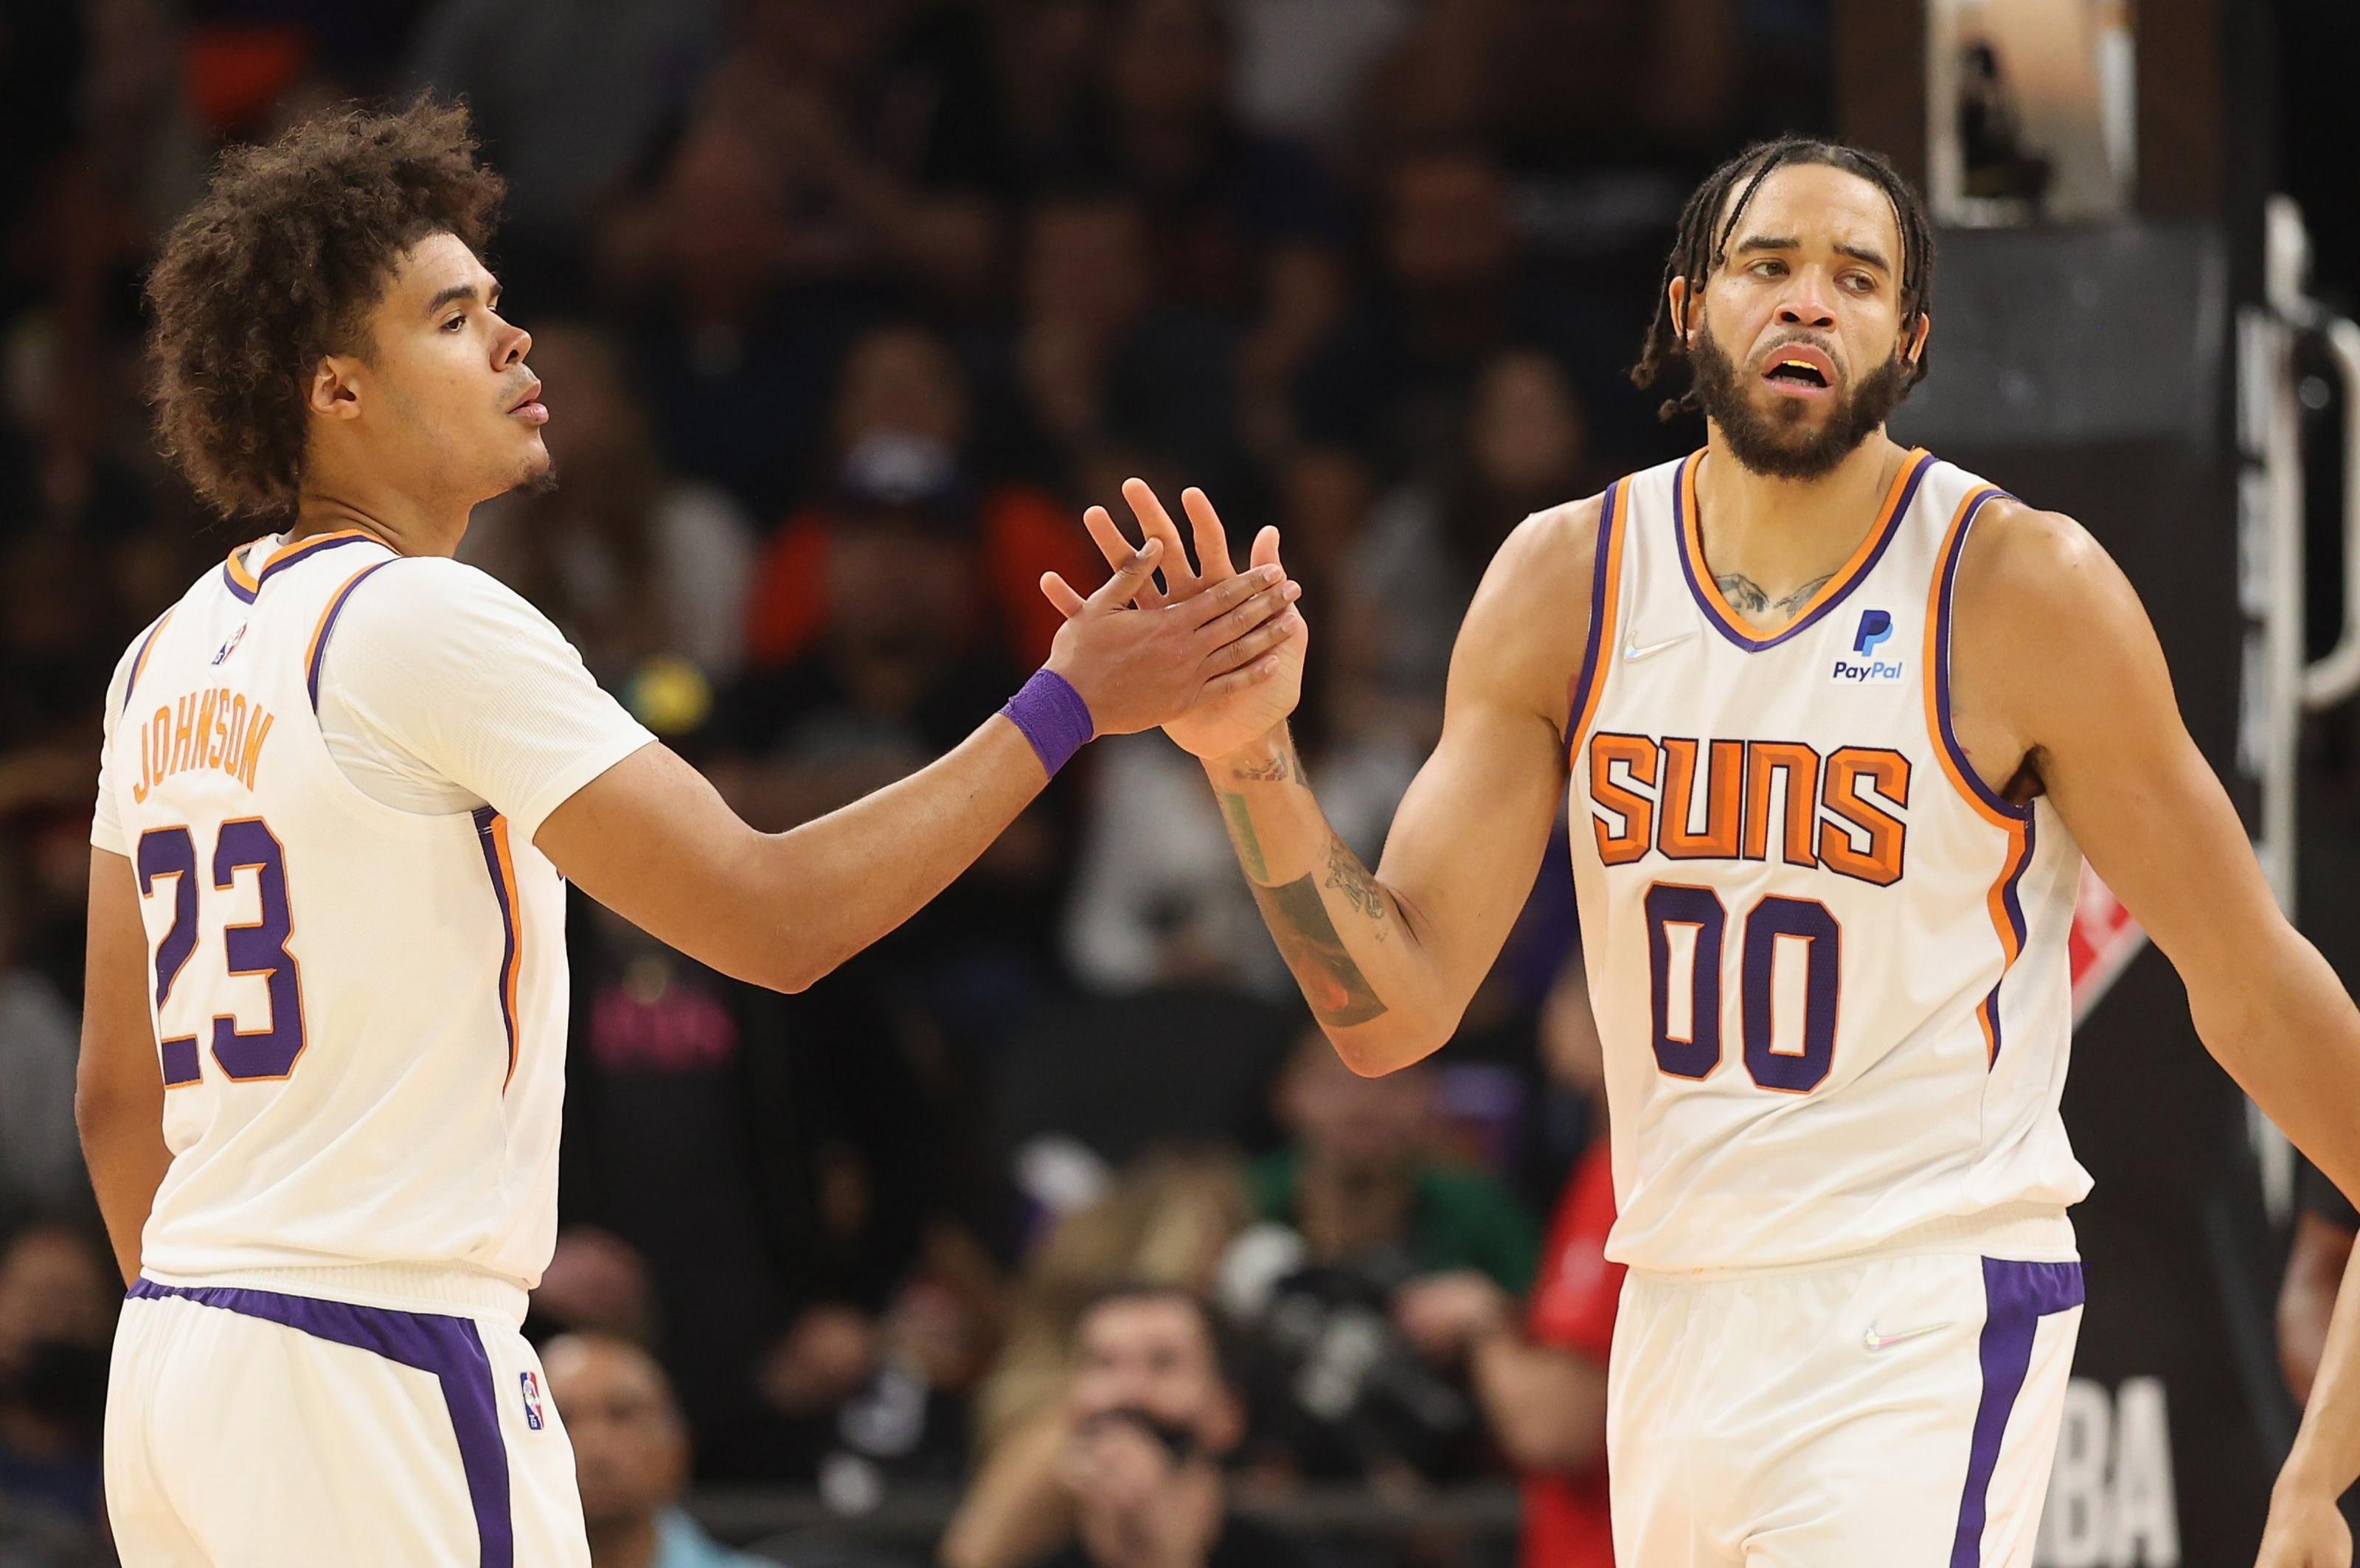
(1778, 445)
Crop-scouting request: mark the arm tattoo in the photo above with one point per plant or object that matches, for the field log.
(1277, 770)
(1241, 834)
(1348, 877)
(1339, 993)
(1749, 597)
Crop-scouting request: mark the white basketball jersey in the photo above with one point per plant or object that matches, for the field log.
(361, 1011)
(1828, 962)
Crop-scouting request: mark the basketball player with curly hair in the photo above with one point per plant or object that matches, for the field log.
(344, 779)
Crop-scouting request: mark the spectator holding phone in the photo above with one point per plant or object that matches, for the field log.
(1152, 1412)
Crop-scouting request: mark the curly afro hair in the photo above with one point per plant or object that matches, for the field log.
(278, 266)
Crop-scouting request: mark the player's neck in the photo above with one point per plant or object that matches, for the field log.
(331, 501)
(1782, 534)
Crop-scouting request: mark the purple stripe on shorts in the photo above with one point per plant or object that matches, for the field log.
(2016, 1296)
(447, 1346)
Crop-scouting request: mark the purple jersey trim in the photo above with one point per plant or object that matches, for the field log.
(301, 553)
(1946, 572)
(1593, 648)
(2014, 905)
(1736, 634)
(2016, 1297)
(328, 628)
(140, 662)
(505, 896)
(449, 1347)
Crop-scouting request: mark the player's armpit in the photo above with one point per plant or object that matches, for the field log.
(2055, 663)
(119, 1081)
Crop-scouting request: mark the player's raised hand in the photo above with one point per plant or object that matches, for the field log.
(2304, 1532)
(1139, 660)
(1233, 711)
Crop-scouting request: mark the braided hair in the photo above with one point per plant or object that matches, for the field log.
(1701, 246)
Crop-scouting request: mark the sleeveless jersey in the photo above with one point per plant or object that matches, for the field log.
(1828, 962)
(361, 1011)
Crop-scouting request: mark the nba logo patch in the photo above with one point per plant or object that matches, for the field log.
(528, 1385)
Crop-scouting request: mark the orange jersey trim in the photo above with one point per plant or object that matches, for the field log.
(2002, 901)
(1864, 556)
(140, 664)
(1605, 608)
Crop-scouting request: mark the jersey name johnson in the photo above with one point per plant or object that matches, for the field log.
(215, 728)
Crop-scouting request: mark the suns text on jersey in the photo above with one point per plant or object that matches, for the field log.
(1760, 800)
(216, 727)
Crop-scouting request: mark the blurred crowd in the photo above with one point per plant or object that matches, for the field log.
(845, 308)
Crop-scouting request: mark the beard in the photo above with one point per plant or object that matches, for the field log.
(539, 477)
(1777, 443)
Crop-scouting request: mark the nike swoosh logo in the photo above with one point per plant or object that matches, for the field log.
(1875, 1341)
(1632, 650)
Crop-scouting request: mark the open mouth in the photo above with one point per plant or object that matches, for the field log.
(1800, 370)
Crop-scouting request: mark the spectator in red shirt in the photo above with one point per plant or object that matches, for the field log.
(903, 427)
(1542, 1382)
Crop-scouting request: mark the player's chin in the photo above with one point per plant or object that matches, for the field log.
(1799, 414)
(538, 471)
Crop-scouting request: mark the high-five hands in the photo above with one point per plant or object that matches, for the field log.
(1256, 695)
(1140, 658)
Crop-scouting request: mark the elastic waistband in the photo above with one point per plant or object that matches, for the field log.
(2030, 1233)
(396, 1287)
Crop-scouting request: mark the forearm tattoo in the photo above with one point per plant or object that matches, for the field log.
(1242, 833)
(1348, 876)
(1277, 770)
(1339, 993)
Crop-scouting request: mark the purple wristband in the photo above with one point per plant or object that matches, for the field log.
(1053, 718)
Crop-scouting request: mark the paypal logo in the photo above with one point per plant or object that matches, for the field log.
(1875, 630)
(1875, 626)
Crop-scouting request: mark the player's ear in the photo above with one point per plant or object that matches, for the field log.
(332, 392)
(1913, 349)
(1678, 298)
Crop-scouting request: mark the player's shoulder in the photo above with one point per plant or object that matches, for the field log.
(2022, 565)
(432, 620)
(1537, 588)
(136, 652)
(1550, 553)
(437, 593)
(2036, 594)
(1530, 619)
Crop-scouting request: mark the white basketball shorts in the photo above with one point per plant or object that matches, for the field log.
(254, 1429)
(1889, 1412)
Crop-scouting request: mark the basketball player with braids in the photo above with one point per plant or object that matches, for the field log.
(344, 781)
(1837, 722)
